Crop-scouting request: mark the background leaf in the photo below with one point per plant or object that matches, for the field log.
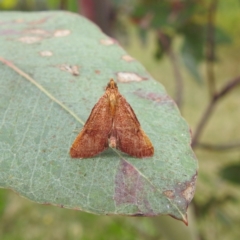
(190, 61)
(73, 60)
(192, 48)
(231, 173)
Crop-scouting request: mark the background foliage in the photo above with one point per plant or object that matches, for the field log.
(198, 44)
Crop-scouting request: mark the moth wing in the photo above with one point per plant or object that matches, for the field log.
(131, 139)
(93, 138)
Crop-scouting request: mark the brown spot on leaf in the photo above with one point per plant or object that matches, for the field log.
(61, 33)
(169, 194)
(29, 39)
(8, 32)
(183, 193)
(73, 69)
(189, 190)
(108, 41)
(128, 58)
(46, 53)
(130, 189)
(97, 71)
(129, 77)
(37, 31)
(20, 20)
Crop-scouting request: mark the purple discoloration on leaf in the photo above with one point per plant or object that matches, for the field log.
(130, 189)
(155, 97)
(39, 21)
(128, 184)
(8, 32)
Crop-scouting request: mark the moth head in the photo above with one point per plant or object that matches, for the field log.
(112, 84)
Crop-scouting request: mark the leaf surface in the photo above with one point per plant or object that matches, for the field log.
(58, 66)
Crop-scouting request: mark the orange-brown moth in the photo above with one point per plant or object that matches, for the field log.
(112, 123)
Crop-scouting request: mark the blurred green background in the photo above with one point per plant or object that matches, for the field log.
(192, 47)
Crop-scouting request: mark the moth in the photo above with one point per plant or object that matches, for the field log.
(112, 123)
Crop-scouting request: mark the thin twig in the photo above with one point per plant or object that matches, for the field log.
(202, 123)
(176, 69)
(227, 88)
(210, 48)
(209, 110)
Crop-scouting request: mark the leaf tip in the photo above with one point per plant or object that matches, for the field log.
(185, 219)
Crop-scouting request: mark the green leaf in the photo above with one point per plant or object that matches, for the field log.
(190, 62)
(192, 48)
(222, 37)
(72, 5)
(193, 40)
(231, 173)
(56, 67)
